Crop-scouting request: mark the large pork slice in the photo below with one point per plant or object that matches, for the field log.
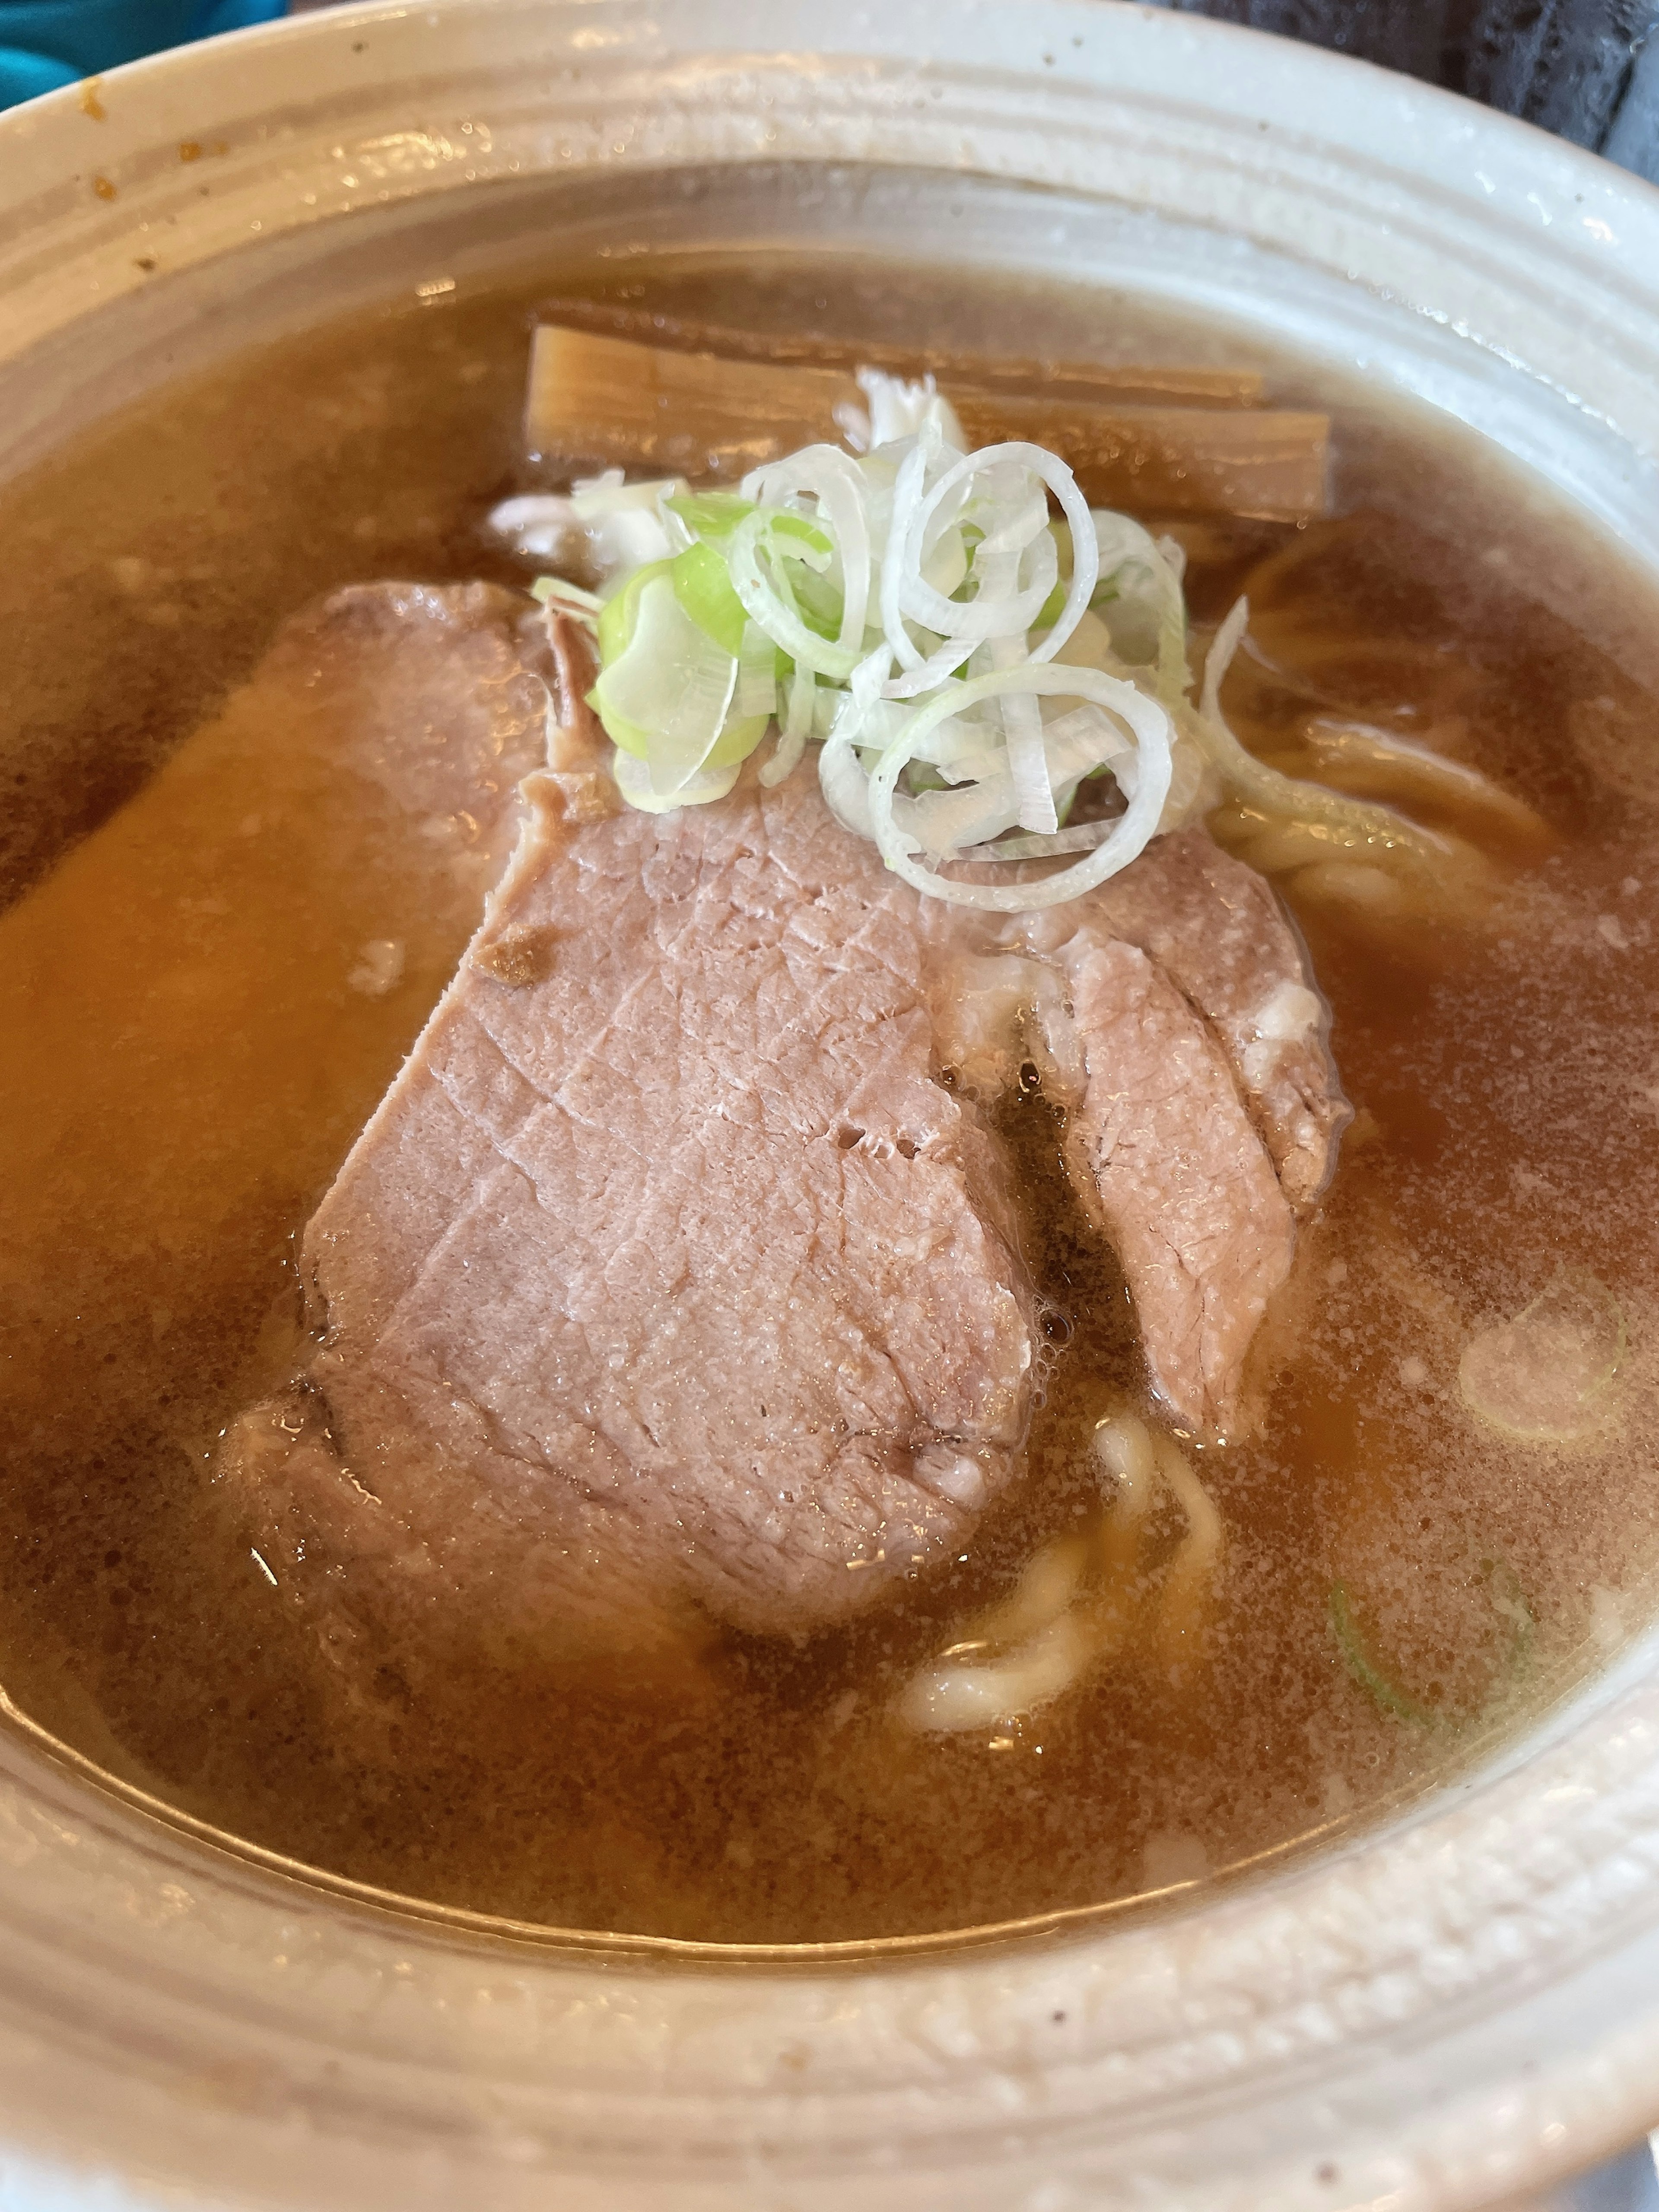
(667, 1275)
(202, 1002)
(675, 1277)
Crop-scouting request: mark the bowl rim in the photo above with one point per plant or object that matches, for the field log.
(1456, 2005)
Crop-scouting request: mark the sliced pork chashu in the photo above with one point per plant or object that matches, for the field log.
(667, 1272)
(1219, 932)
(203, 1000)
(670, 1276)
(1173, 1017)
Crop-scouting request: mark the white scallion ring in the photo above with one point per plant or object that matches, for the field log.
(764, 604)
(948, 618)
(1145, 718)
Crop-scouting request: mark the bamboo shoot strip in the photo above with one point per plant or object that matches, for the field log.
(1268, 464)
(609, 401)
(600, 401)
(1146, 386)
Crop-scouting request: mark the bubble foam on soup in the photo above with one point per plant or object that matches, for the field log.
(1405, 1577)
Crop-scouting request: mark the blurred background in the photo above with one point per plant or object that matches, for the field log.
(1587, 70)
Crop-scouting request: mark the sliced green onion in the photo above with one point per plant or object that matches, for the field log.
(1130, 833)
(666, 694)
(633, 781)
(877, 602)
(619, 613)
(759, 556)
(1508, 1601)
(805, 532)
(1543, 1377)
(710, 515)
(757, 675)
(796, 727)
(557, 591)
(1365, 1670)
(704, 587)
(1148, 622)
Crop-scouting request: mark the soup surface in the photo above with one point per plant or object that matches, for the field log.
(192, 1042)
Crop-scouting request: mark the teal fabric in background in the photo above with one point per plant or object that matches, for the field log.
(44, 43)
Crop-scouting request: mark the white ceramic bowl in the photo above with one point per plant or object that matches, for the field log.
(1461, 2006)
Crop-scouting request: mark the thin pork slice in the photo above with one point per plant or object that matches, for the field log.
(1163, 1151)
(1174, 1020)
(204, 1001)
(1219, 932)
(667, 1278)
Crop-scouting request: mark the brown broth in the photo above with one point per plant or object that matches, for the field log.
(1507, 1075)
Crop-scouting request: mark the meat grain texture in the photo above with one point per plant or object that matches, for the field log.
(1172, 1016)
(672, 1282)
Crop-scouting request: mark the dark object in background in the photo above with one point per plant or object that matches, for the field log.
(1628, 2184)
(1588, 69)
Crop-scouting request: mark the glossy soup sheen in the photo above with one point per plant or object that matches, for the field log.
(1503, 1071)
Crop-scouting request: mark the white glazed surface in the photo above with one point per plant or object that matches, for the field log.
(1439, 2016)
